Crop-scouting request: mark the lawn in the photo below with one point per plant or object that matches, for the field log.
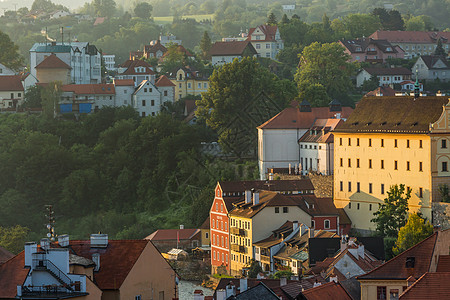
(168, 20)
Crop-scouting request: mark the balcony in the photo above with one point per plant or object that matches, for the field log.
(371, 52)
(237, 248)
(265, 259)
(237, 231)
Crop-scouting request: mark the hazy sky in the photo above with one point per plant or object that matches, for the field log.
(9, 4)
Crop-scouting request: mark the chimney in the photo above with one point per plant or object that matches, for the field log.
(230, 290)
(294, 225)
(343, 242)
(45, 244)
(248, 196)
(30, 248)
(182, 227)
(255, 198)
(198, 295)
(96, 260)
(242, 285)
(333, 278)
(311, 233)
(63, 240)
(270, 176)
(99, 240)
(221, 295)
(283, 281)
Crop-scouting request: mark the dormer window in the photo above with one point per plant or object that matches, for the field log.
(410, 262)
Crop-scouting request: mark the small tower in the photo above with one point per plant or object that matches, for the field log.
(335, 105)
(305, 106)
(417, 87)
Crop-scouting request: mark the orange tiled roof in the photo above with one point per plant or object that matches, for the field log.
(131, 64)
(164, 81)
(90, 89)
(329, 290)
(231, 48)
(123, 82)
(11, 83)
(12, 274)
(443, 263)
(53, 62)
(383, 90)
(5, 255)
(269, 32)
(416, 37)
(429, 286)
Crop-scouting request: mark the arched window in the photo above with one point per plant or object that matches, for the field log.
(326, 224)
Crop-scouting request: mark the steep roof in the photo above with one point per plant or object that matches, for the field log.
(429, 286)
(394, 115)
(172, 234)
(164, 81)
(396, 267)
(154, 48)
(443, 263)
(416, 37)
(11, 83)
(268, 30)
(388, 71)
(293, 118)
(270, 185)
(12, 274)
(231, 48)
(90, 89)
(431, 60)
(117, 260)
(277, 236)
(360, 45)
(206, 223)
(132, 64)
(320, 132)
(260, 291)
(343, 217)
(52, 62)
(331, 290)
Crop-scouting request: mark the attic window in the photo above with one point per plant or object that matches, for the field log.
(368, 123)
(398, 124)
(383, 123)
(410, 261)
(355, 123)
(415, 124)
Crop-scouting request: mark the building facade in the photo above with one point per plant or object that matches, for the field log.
(225, 52)
(266, 40)
(188, 81)
(432, 67)
(386, 76)
(371, 50)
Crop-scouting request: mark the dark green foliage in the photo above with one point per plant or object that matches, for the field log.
(143, 10)
(390, 20)
(205, 45)
(444, 192)
(9, 54)
(439, 49)
(280, 274)
(272, 19)
(13, 238)
(371, 84)
(255, 269)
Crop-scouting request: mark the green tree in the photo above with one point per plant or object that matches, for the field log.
(439, 49)
(272, 19)
(325, 64)
(33, 97)
(284, 19)
(371, 84)
(104, 8)
(143, 10)
(50, 96)
(444, 192)
(392, 214)
(9, 55)
(173, 58)
(315, 94)
(254, 269)
(13, 238)
(284, 273)
(205, 45)
(415, 230)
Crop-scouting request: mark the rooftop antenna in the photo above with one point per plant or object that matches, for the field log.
(50, 222)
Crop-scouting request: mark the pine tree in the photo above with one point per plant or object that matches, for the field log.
(272, 20)
(439, 49)
(284, 19)
(205, 45)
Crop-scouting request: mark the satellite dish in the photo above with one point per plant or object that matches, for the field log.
(49, 234)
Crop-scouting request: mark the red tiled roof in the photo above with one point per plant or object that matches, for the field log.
(12, 274)
(90, 89)
(388, 71)
(131, 64)
(231, 48)
(271, 185)
(123, 82)
(117, 260)
(11, 83)
(416, 37)
(268, 31)
(5, 255)
(189, 106)
(293, 118)
(429, 286)
(443, 263)
(99, 20)
(154, 48)
(164, 81)
(382, 90)
(172, 234)
(396, 267)
(53, 62)
(206, 224)
(324, 136)
(329, 290)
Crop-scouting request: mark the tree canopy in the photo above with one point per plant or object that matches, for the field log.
(143, 10)
(9, 55)
(414, 231)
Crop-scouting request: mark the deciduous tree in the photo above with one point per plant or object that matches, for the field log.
(205, 45)
(143, 10)
(415, 230)
(9, 54)
(13, 238)
(439, 49)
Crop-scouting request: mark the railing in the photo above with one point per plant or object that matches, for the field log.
(47, 291)
(265, 258)
(237, 231)
(49, 266)
(238, 248)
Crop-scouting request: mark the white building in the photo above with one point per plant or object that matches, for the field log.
(278, 146)
(137, 70)
(430, 67)
(316, 147)
(5, 71)
(124, 91)
(165, 40)
(59, 14)
(225, 52)
(266, 40)
(83, 58)
(386, 76)
(148, 97)
(110, 62)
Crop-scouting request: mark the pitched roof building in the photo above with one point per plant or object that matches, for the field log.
(266, 40)
(371, 50)
(11, 91)
(225, 52)
(331, 290)
(385, 76)
(431, 67)
(166, 239)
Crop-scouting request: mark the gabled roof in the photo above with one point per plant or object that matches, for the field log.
(206, 224)
(260, 291)
(268, 31)
(164, 81)
(343, 217)
(117, 260)
(131, 64)
(443, 263)
(123, 82)
(416, 37)
(12, 274)
(394, 114)
(277, 236)
(331, 290)
(388, 71)
(155, 48)
(52, 62)
(431, 60)
(231, 48)
(11, 83)
(361, 45)
(320, 132)
(429, 286)
(90, 89)
(293, 118)
(381, 90)
(396, 267)
(172, 234)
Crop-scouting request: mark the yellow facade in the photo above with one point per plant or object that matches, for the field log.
(240, 243)
(186, 84)
(369, 288)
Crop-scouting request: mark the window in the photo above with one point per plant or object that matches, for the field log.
(199, 85)
(420, 193)
(258, 46)
(395, 143)
(326, 224)
(342, 162)
(357, 205)
(357, 162)
(349, 205)
(349, 162)
(408, 166)
(357, 142)
(267, 46)
(153, 102)
(341, 186)
(420, 166)
(382, 188)
(370, 142)
(370, 206)
(205, 85)
(444, 166)
(382, 142)
(395, 165)
(381, 293)
(444, 144)
(393, 294)
(358, 187)
(165, 93)
(382, 164)
(370, 164)
(285, 210)
(153, 114)
(370, 188)
(349, 186)
(143, 102)
(189, 85)
(143, 114)
(407, 143)
(340, 141)
(313, 224)
(145, 90)
(214, 255)
(277, 210)
(138, 297)
(420, 144)
(349, 141)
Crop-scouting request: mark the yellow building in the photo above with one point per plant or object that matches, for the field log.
(53, 69)
(388, 141)
(188, 82)
(254, 219)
